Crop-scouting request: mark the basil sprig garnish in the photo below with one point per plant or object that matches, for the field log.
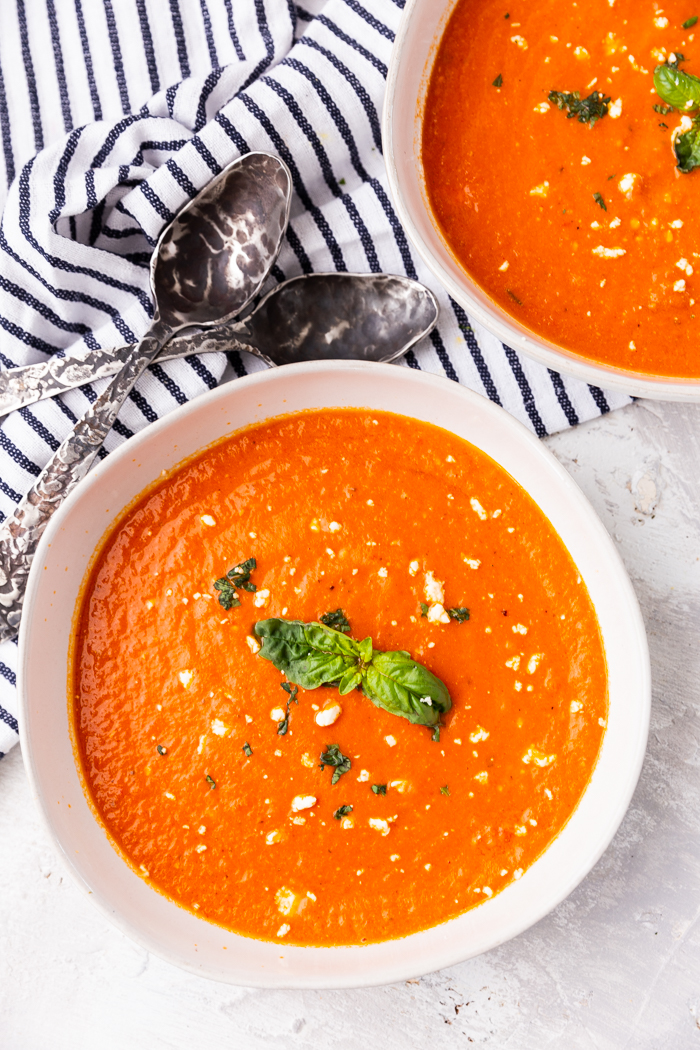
(312, 655)
(585, 110)
(682, 91)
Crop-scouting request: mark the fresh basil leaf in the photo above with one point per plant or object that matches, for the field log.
(600, 200)
(401, 686)
(337, 620)
(689, 22)
(247, 749)
(677, 88)
(211, 782)
(350, 680)
(445, 790)
(283, 726)
(687, 148)
(436, 735)
(458, 612)
(663, 110)
(161, 750)
(379, 789)
(342, 811)
(424, 608)
(498, 81)
(365, 649)
(308, 653)
(339, 762)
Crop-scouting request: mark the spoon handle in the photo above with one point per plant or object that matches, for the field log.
(25, 385)
(21, 532)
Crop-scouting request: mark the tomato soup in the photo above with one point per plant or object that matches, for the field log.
(204, 765)
(584, 232)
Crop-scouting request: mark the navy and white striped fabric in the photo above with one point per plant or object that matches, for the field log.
(113, 113)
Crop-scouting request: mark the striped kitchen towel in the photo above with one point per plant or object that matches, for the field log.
(113, 114)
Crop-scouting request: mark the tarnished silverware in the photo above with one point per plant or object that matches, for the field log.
(209, 263)
(369, 317)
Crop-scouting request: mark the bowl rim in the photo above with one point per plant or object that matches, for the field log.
(427, 951)
(400, 154)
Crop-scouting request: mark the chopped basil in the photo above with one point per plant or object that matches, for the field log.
(283, 726)
(379, 789)
(514, 297)
(342, 811)
(211, 782)
(238, 576)
(161, 750)
(663, 110)
(312, 655)
(689, 22)
(339, 762)
(598, 198)
(498, 81)
(444, 790)
(436, 734)
(586, 110)
(337, 620)
(458, 613)
(423, 609)
(247, 749)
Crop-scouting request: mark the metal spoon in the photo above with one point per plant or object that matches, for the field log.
(369, 317)
(209, 263)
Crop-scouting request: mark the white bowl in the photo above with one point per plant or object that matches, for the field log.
(45, 641)
(422, 25)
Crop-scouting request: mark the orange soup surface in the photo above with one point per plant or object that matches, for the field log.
(587, 235)
(177, 716)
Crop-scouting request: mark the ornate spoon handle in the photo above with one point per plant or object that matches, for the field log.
(21, 532)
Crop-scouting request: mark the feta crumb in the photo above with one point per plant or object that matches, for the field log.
(149, 604)
(488, 891)
(298, 820)
(412, 568)
(307, 760)
(334, 526)
(383, 572)
(391, 740)
(533, 822)
(433, 589)
(346, 823)
(520, 829)
(615, 109)
(402, 786)
(608, 253)
(253, 535)
(479, 734)
(613, 224)
(168, 795)
(285, 899)
(260, 598)
(503, 871)
(602, 722)
(186, 678)
(519, 629)
(581, 53)
(427, 867)
(518, 686)
(676, 224)
(473, 563)
(328, 714)
(661, 22)
(538, 757)
(310, 895)
(514, 662)
(394, 856)
(200, 745)
(541, 107)
(548, 793)
(370, 502)
(520, 41)
(252, 643)
(575, 706)
(456, 740)
(478, 509)
(277, 714)
(330, 552)
(683, 264)
(207, 519)
(628, 183)
(519, 871)
(379, 825)
(364, 776)
(437, 614)
(679, 286)
(300, 802)
(200, 848)
(533, 662)
(482, 777)
(541, 190)
(314, 526)
(284, 929)
(248, 718)
(220, 728)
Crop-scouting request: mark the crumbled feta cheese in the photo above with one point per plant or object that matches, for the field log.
(252, 643)
(149, 604)
(478, 734)
(277, 714)
(383, 572)
(434, 590)
(520, 41)
(482, 777)
(207, 519)
(200, 848)
(518, 628)
(379, 825)
(628, 183)
(437, 614)
(613, 224)
(602, 722)
(412, 568)
(677, 224)
(478, 509)
(679, 286)
(541, 190)
(519, 871)
(520, 829)
(298, 820)
(168, 795)
(487, 890)
(260, 598)
(370, 502)
(285, 900)
(548, 793)
(334, 526)
(220, 728)
(581, 53)
(346, 823)
(300, 802)
(661, 22)
(310, 895)
(518, 686)
(394, 857)
(608, 253)
(364, 776)
(314, 526)
(284, 929)
(615, 109)
(391, 740)
(401, 786)
(328, 714)
(534, 662)
(541, 107)
(330, 552)
(514, 662)
(538, 757)
(186, 678)
(473, 563)
(307, 760)
(684, 265)
(585, 161)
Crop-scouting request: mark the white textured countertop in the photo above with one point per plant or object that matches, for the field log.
(616, 966)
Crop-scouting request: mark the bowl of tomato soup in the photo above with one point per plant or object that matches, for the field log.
(532, 163)
(264, 833)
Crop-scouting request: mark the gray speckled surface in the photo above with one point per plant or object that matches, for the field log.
(616, 966)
